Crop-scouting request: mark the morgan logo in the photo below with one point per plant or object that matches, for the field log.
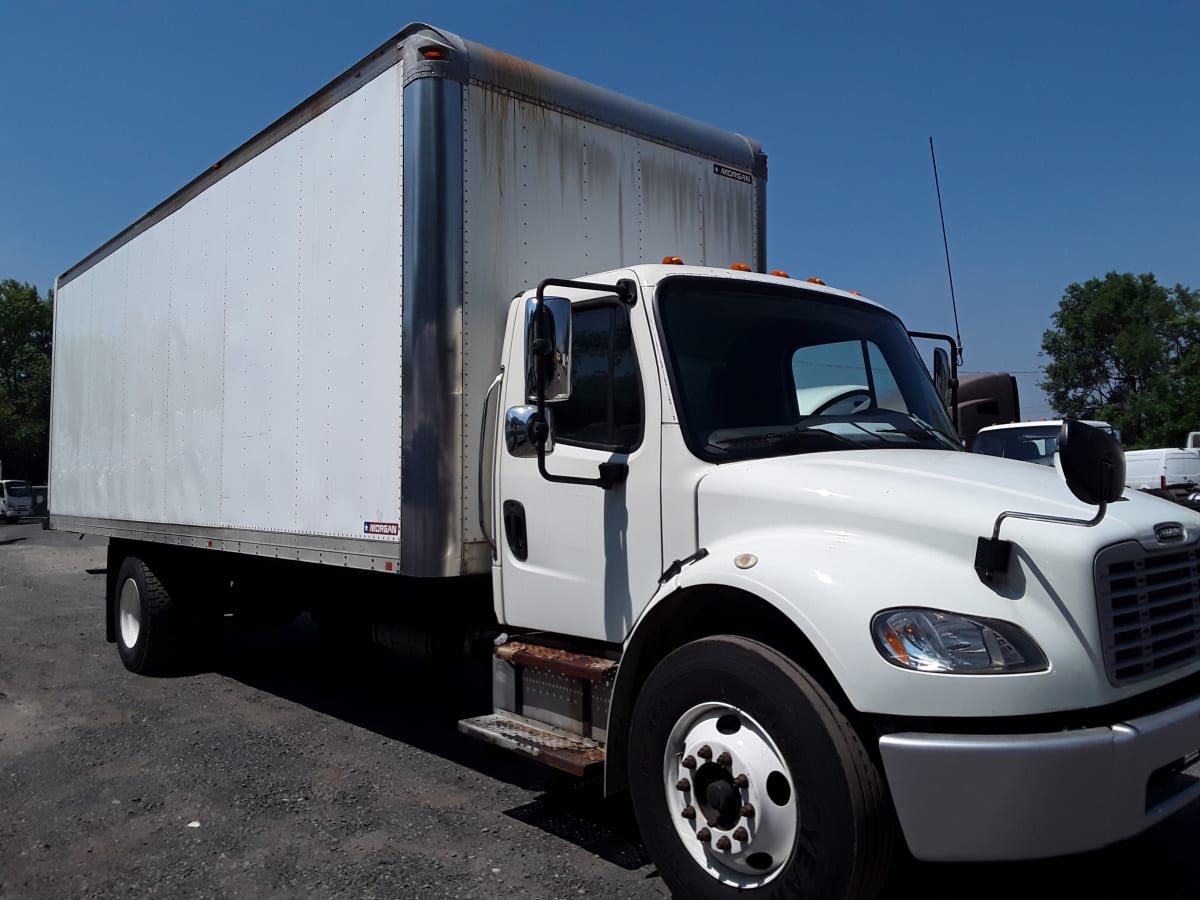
(392, 528)
(1168, 532)
(735, 174)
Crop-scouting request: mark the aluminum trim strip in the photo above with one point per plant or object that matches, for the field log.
(432, 375)
(355, 553)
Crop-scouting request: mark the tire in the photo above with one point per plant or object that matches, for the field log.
(811, 820)
(148, 627)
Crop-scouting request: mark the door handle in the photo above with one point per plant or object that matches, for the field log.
(513, 512)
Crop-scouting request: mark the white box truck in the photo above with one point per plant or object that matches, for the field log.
(400, 360)
(16, 500)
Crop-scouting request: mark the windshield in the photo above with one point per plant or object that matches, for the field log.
(760, 370)
(16, 489)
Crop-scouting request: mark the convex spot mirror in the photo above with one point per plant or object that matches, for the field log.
(1092, 463)
(548, 349)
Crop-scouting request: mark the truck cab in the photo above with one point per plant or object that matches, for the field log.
(742, 557)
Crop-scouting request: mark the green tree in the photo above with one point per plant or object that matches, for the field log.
(26, 321)
(1126, 349)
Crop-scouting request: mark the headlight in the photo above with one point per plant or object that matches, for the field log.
(930, 640)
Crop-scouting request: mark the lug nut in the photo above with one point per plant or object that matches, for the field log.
(747, 811)
(741, 781)
(704, 835)
(683, 785)
(688, 812)
(723, 842)
(705, 752)
(725, 760)
(741, 834)
(689, 762)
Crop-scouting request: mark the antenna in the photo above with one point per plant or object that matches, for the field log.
(945, 243)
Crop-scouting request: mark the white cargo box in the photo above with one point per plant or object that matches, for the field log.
(288, 357)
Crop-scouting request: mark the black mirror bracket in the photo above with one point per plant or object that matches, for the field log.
(627, 291)
(611, 474)
(955, 357)
(992, 554)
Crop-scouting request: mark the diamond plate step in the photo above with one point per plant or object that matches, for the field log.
(566, 752)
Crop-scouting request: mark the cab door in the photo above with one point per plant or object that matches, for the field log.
(578, 559)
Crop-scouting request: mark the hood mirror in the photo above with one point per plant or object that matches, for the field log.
(1092, 463)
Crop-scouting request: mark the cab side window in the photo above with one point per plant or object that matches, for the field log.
(605, 409)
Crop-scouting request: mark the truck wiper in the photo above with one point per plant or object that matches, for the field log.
(797, 436)
(916, 427)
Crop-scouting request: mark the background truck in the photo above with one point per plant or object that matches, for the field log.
(1034, 441)
(984, 399)
(407, 360)
(16, 500)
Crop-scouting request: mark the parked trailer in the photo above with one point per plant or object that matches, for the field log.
(717, 524)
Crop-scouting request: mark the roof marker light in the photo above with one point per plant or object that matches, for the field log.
(814, 281)
(740, 267)
(672, 261)
(433, 53)
(779, 273)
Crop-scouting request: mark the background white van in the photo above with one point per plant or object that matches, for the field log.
(1176, 470)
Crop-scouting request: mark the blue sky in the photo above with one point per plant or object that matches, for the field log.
(1067, 134)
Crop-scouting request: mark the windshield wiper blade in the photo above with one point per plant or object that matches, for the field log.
(919, 428)
(777, 438)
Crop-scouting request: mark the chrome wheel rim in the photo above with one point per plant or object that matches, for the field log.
(130, 613)
(730, 795)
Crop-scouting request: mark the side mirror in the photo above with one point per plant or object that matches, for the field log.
(548, 350)
(1092, 463)
(941, 375)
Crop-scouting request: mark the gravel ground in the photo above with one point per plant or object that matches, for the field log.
(280, 773)
(277, 774)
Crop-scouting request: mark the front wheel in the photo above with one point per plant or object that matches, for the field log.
(746, 777)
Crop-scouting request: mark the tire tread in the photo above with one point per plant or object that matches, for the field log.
(867, 865)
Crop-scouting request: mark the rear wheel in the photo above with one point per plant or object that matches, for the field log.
(148, 631)
(747, 778)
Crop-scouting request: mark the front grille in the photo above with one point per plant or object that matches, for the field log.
(1149, 607)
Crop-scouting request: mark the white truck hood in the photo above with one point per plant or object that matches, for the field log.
(938, 498)
(836, 537)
